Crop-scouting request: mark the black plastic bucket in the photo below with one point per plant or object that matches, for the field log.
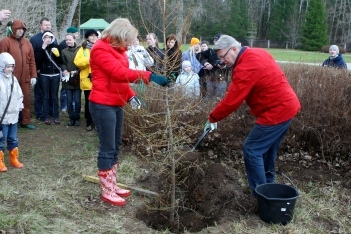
(276, 202)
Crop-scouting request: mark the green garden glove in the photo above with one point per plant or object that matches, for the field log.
(210, 126)
(160, 80)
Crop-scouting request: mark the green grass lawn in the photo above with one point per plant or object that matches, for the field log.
(302, 56)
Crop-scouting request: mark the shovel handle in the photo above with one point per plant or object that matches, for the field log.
(201, 138)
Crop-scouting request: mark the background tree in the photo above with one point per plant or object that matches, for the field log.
(280, 20)
(281, 12)
(314, 31)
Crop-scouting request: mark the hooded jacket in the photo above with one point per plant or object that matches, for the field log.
(189, 81)
(11, 116)
(42, 60)
(22, 51)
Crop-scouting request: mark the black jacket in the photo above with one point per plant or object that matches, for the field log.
(158, 55)
(45, 64)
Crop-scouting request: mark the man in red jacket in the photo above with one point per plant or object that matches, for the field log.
(258, 80)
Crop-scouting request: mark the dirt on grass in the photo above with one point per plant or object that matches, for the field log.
(210, 191)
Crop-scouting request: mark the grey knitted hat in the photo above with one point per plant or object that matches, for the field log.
(334, 47)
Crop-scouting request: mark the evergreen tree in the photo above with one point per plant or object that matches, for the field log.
(279, 16)
(228, 17)
(93, 9)
(314, 31)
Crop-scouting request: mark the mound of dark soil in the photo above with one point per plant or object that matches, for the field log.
(205, 192)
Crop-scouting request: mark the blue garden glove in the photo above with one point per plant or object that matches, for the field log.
(160, 80)
(135, 103)
(210, 126)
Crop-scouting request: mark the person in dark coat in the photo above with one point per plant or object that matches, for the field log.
(213, 83)
(156, 53)
(48, 60)
(37, 44)
(335, 59)
(71, 81)
(173, 58)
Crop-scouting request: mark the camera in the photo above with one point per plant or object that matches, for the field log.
(219, 62)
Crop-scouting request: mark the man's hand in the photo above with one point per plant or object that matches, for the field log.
(4, 14)
(208, 66)
(210, 126)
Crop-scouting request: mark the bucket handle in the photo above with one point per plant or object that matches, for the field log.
(286, 177)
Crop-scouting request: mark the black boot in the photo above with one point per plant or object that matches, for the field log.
(71, 122)
(76, 123)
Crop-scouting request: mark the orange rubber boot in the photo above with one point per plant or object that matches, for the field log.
(14, 158)
(119, 191)
(108, 194)
(3, 167)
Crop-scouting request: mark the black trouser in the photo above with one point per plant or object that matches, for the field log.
(87, 114)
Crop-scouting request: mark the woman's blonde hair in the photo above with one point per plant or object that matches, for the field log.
(120, 33)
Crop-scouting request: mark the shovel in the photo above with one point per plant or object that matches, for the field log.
(200, 139)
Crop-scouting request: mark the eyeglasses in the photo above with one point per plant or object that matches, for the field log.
(222, 57)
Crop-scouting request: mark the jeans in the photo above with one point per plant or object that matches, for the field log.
(63, 99)
(109, 124)
(50, 85)
(73, 103)
(39, 99)
(10, 136)
(260, 150)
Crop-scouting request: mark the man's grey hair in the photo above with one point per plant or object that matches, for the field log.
(226, 41)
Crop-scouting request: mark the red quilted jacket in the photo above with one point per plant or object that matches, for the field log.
(111, 76)
(258, 80)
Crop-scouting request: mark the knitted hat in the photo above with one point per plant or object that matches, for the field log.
(50, 34)
(194, 41)
(90, 32)
(334, 47)
(185, 64)
(72, 30)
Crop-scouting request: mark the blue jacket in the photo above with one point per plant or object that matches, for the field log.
(190, 55)
(337, 62)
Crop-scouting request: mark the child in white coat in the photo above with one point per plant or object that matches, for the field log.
(9, 111)
(188, 80)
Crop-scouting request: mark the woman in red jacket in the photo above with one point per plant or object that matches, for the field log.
(258, 80)
(111, 78)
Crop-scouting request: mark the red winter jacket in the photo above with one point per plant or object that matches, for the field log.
(258, 80)
(111, 75)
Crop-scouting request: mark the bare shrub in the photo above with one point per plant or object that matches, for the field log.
(322, 126)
